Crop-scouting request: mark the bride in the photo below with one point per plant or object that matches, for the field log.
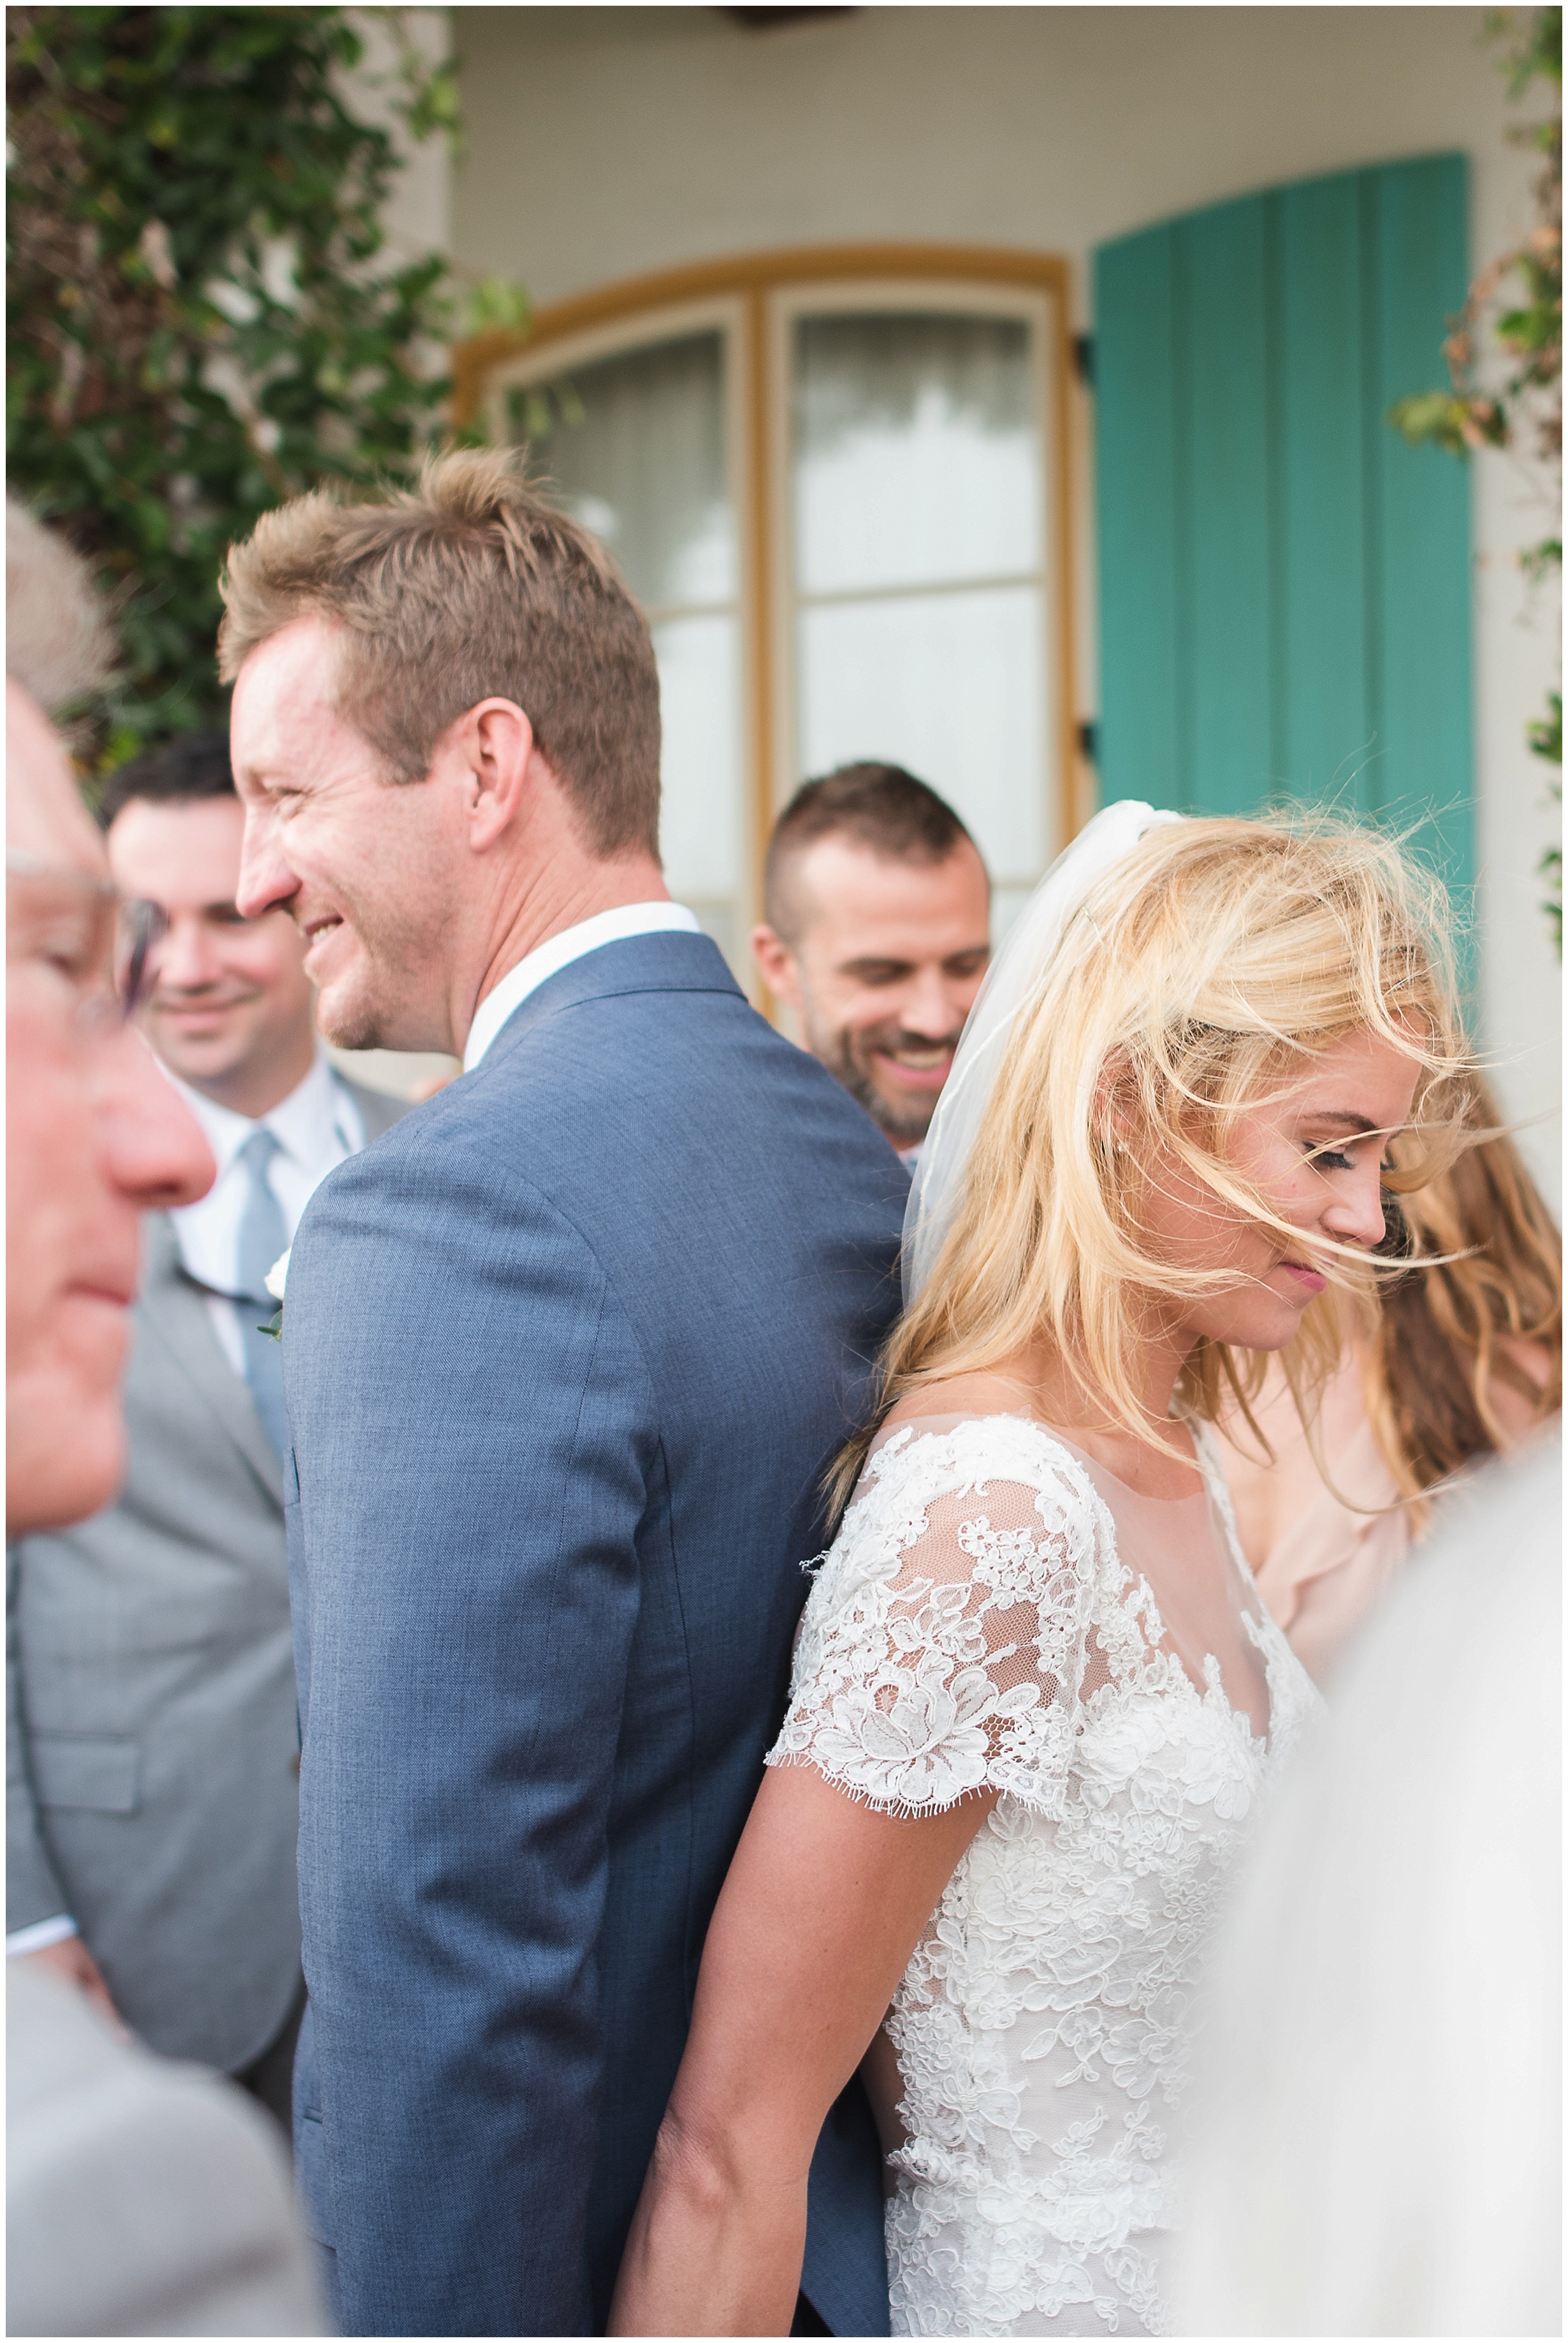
(1035, 1695)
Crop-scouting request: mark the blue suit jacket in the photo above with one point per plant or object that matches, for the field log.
(566, 1354)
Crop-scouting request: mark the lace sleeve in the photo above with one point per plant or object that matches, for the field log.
(943, 1645)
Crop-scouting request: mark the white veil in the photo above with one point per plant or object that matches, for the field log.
(1011, 979)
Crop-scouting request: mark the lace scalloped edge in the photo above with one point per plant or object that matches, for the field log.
(904, 1810)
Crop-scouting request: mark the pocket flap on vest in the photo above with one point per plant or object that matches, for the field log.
(88, 1770)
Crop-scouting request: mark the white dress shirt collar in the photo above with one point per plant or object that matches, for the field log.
(316, 1124)
(558, 951)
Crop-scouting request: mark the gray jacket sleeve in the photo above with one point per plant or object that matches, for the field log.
(33, 1888)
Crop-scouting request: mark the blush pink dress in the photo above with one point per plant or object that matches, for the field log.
(1320, 1557)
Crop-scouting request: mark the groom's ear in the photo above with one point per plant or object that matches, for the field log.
(495, 754)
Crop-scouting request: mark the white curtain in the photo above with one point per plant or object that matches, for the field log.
(644, 466)
(916, 477)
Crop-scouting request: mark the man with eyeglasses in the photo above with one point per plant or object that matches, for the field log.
(160, 1807)
(142, 2197)
(95, 1139)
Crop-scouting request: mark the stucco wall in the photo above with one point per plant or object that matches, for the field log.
(418, 217)
(601, 142)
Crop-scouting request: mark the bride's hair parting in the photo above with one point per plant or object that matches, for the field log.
(1205, 971)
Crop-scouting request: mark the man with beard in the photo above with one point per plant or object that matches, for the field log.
(877, 935)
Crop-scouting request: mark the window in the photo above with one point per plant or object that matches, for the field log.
(837, 483)
(644, 461)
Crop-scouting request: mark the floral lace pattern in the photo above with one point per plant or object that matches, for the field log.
(974, 1626)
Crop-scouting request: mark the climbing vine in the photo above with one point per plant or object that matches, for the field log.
(1511, 325)
(204, 317)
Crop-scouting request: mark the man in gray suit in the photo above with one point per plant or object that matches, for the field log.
(153, 1740)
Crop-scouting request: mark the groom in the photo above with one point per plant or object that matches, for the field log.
(566, 1354)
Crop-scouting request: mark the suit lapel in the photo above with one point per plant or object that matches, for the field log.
(173, 1311)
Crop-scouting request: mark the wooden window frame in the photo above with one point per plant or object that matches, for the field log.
(742, 293)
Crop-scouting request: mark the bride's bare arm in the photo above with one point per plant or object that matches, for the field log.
(824, 1902)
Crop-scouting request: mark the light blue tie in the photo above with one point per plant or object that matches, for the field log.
(262, 1238)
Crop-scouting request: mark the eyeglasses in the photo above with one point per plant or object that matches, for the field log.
(99, 941)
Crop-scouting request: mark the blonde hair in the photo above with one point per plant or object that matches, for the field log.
(465, 588)
(1207, 967)
(1493, 1274)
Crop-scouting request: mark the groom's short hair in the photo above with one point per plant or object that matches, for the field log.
(467, 588)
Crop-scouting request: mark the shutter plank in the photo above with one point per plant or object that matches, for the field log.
(1325, 723)
(1224, 596)
(1422, 551)
(1135, 440)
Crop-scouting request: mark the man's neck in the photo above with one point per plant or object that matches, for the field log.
(547, 908)
(254, 1088)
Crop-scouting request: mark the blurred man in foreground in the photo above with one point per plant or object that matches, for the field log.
(141, 2197)
(877, 933)
(1377, 2127)
(94, 1137)
(155, 1805)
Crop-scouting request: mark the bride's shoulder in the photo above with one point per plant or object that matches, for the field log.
(981, 1394)
(972, 1428)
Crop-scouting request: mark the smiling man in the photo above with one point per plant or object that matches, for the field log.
(565, 1355)
(877, 935)
(230, 1014)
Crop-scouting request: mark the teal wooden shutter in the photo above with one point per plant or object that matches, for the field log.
(1284, 585)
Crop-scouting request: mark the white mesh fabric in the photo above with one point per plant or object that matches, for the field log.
(1184, 1550)
(941, 1650)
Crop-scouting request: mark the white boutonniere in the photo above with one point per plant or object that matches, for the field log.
(277, 1278)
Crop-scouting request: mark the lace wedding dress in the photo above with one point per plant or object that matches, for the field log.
(998, 1611)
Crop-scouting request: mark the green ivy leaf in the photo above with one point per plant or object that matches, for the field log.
(151, 143)
(1528, 405)
(1434, 416)
(495, 303)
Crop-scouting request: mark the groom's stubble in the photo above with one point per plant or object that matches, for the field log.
(395, 983)
(372, 869)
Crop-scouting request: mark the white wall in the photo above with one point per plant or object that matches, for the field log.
(1518, 638)
(418, 217)
(602, 142)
